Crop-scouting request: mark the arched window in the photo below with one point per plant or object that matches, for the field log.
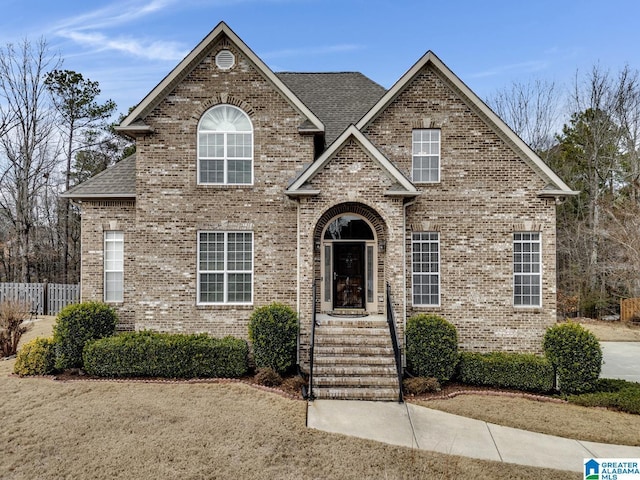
(225, 146)
(348, 227)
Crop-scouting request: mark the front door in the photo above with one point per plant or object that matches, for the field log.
(348, 275)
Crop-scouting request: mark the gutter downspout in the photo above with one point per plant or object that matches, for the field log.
(298, 273)
(404, 283)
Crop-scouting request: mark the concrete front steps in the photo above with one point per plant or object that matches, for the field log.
(354, 360)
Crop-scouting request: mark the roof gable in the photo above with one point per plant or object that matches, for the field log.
(556, 187)
(402, 186)
(134, 122)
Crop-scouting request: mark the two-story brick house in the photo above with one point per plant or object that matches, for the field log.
(248, 185)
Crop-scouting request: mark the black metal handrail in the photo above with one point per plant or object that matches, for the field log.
(310, 395)
(391, 320)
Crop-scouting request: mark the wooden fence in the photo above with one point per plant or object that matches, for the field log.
(43, 298)
(629, 307)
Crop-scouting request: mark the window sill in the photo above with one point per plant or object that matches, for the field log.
(226, 185)
(224, 306)
(528, 309)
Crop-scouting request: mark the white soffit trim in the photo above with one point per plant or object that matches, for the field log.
(191, 60)
(536, 162)
(373, 152)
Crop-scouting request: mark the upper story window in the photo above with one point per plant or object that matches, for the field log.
(426, 155)
(225, 147)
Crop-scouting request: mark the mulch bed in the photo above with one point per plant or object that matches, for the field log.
(452, 390)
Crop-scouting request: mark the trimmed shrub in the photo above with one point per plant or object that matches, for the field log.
(13, 313)
(76, 325)
(616, 394)
(152, 354)
(273, 331)
(432, 347)
(268, 377)
(420, 385)
(575, 355)
(36, 357)
(519, 371)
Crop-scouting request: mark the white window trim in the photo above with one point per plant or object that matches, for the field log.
(439, 158)
(225, 272)
(107, 240)
(225, 159)
(413, 242)
(539, 274)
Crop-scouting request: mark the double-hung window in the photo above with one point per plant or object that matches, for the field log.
(527, 269)
(113, 266)
(225, 147)
(426, 155)
(425, 260)
(225, 267)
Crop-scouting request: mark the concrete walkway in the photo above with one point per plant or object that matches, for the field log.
(413, 426)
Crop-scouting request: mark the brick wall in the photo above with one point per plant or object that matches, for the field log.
(98, 217)
(486, 193)
(171, 207)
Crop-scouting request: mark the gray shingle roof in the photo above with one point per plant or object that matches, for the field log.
(117, 181)
(338, 99)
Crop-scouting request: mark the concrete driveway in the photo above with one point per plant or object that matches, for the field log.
(621, 360)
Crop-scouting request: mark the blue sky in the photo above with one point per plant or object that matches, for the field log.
(128, 46)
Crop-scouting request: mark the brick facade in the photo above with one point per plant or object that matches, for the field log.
(487, 192)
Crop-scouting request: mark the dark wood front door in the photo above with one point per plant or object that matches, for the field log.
(348, 275)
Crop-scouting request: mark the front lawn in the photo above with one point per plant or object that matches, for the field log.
(106, 429)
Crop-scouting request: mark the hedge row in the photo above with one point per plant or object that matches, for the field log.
(151, 354)
(506, 370)
(611, 393)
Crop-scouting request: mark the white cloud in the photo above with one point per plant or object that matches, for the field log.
(150, 49)
(113, 15)
(89, 30)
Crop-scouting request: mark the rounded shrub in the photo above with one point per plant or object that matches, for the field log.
(273, 331)
(36, 357)
(268, 377)
(575, 355)
(432, 347)
(420, 385)
(76, 325)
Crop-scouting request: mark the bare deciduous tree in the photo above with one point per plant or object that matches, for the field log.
(27, 156)
(531, 110)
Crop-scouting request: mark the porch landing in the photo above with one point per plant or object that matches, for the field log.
(354, 359)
